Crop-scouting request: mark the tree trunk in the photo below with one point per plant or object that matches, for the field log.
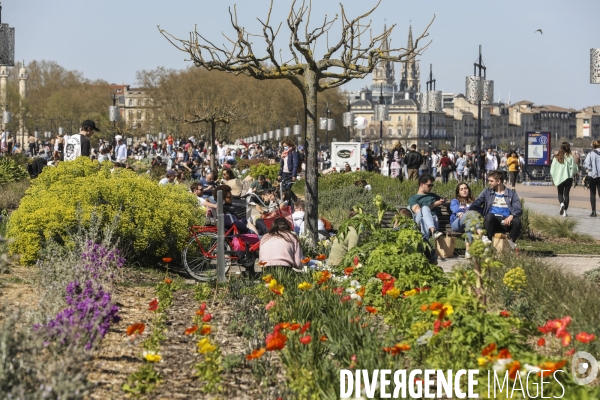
(312, 185)
(213, 147)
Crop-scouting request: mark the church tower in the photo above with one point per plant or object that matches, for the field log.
(410, 77)
(383, 74)
(23, 76)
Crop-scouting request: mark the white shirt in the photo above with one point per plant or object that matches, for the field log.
(491, 163)
(122, 152)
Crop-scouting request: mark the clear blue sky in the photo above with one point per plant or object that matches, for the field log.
(112, 39)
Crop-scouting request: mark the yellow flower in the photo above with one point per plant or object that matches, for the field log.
(152, 356)
(409, 293)
(272, 283)
(304, 286)
(482, 361)
(515, 279)
(395, 292)
(205, 346)
(448, 307)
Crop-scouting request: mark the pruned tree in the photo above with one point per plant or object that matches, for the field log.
(353, 56)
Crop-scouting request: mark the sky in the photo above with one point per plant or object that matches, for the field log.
(112, 40)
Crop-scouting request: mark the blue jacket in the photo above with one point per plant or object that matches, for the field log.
(292, 162)
(486, 199)
(456, 208)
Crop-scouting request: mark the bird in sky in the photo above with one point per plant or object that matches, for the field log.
(540, 31)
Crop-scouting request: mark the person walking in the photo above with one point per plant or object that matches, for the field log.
(445, 164)
(592, 164)
(413, 161)
(461, 163)
(512, 162)
(563, 169)
(289, 163)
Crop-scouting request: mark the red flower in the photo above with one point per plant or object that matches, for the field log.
(167, 259)
(305, 339)
(275, 341)
(446, 324)
(488, 349)
(205, 330)
(338, 291)
(348, 271)
(504, 314)
(371, 310)
(207, 318)
(255, 354)
(321, 257)
(284, 325)
(153, 306)
(566, 339)
(383, 276)
(570, 352)
(203, 306)
(436, 306)
(356, 260)
(584, 337)
(345, 298)
(424, 307)
(423, 289)
(199, 312)
(305, 327)
(168, 281)
(503, 354)
(436, 326)
(541, 342)
(294, 327)
(262, 264)
(191, 330)
(136, 329)
(305, 260)
(389, 285)
(515, 366)
(323, 338)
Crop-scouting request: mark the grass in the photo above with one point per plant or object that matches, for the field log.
(12, 193)
(557, 227)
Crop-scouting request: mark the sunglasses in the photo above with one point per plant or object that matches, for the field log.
(430, 185)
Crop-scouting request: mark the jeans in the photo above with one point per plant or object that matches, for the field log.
(445, 174)
(434, 171)
(461, 224)
(426, 220)
(513, 177)
(493, 224)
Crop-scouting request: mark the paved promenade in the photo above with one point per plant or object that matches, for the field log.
(544, 199)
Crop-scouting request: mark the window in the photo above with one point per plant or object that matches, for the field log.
(372, 118)
(130, 102)
(399, 118)
(408, 118)
(390, 132)
(130, 115)
(372, 131)
(399, 131)
(139, 115)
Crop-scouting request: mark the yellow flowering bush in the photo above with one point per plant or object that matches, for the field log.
(515, 279)
(152, 220)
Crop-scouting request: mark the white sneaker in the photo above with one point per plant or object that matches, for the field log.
(565, 213)
(467, 255)
(562, 208)
(485, 239)
(437, 235)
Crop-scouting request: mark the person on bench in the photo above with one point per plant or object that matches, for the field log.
(462, 217)
(501, 207)
(425, 206)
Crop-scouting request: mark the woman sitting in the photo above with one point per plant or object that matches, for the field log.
(230, 180)
(461, 216)
(280, 246)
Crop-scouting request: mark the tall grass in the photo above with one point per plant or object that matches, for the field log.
(557, 227)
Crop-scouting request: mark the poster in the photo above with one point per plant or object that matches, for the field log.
(538, 148)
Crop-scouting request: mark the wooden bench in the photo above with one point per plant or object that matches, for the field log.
(443, 219)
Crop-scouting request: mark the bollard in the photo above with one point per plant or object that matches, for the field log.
(220, 238)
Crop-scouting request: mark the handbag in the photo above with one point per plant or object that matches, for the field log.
(445, 246)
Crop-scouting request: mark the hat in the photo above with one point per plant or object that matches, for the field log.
(118, 138)
(88, 123)
(171, 172)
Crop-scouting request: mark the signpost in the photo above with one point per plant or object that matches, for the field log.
(538, 151)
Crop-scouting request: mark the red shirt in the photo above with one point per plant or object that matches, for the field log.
(445, 161)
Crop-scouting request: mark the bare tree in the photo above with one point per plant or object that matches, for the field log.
(352, 57)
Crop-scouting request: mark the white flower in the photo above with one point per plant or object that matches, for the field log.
(531, 368)
(337, 278)
(373, 279)
(500, 365)
(350, 290)
(355, 284)
(355, 296)
(359, 265)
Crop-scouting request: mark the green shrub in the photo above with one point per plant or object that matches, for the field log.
(12, 193)
(557, 227)
(11, 171)
(152, 219)
(269, 171)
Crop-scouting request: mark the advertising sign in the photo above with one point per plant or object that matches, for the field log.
(343, 153)
(586, 128)
(538, 148)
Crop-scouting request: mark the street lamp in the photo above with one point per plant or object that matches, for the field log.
(479, 90)
(433, 102)
(114, 115)
(381, 114)
(348, 119)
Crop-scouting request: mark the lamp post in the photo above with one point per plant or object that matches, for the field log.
(348, 119)
(114, 115)
(479, 90)
(381, 114)
(430, 87)
(326, 123)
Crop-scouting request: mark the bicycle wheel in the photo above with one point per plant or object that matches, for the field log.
(200, 256)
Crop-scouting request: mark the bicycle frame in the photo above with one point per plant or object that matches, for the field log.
(231, 232)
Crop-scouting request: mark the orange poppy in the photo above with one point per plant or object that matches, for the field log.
(348, 271)
(436, 306)
(136, 329)
(566, 339)
(275, 341)
(305, 327)
(397, 349)
(541, 342)
(446, 324)
(191, 330)
(321, 257)
(383, 276)
(206, 329)
(324, 277)
(584, 337)
(305, 339)
(199, 312)
(371, 310)
(515, 367)
(323, 338)
(262, 263)
(488, 349)
(549, 367)
(424, 307)
(167, 259)
(267, 278)
(305, 260)
(284, 325)
(294, 327)
(168, 281)
(504, 313)
(153, 306)
(361, 291)
(504, 354)
(255, 354)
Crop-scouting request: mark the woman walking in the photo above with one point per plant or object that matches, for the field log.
(513, 168)
(592, 164)
(461, 163)
(445, 162)
(562, 170)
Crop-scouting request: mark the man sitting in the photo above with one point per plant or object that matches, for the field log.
(208, 184)
(500, 206)
(196, 189)
(425, 207)
(260, 186)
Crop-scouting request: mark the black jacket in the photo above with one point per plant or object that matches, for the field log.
(413, 159)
